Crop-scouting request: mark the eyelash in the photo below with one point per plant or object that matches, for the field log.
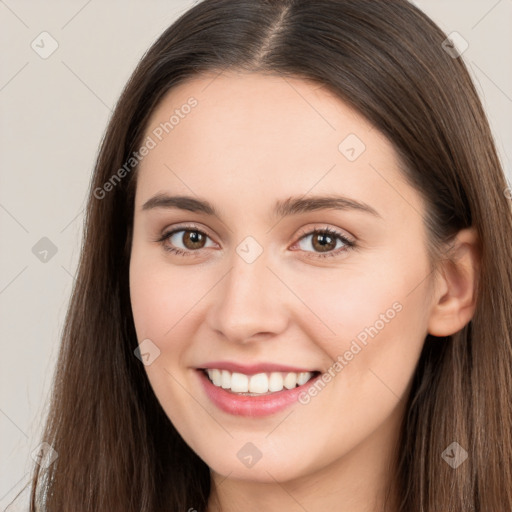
(328, 231)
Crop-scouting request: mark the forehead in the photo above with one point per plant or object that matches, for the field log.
(249, 134)
(233, 106)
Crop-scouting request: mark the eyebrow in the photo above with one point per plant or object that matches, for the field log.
(282, 208)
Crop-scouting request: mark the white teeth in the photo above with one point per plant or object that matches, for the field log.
(259, 383)
(239, 383)
(303, 377)
(275, 382)
(215, 376)
(290, 381)
(225, 379)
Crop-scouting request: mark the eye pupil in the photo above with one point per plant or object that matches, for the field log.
(326, 242)
(195, 238)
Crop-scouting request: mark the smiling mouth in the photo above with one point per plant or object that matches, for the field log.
(258, 384)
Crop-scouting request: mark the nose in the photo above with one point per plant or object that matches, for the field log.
(249, 303)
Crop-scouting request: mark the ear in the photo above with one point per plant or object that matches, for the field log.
(454, 299)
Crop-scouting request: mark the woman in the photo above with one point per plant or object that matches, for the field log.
(295, 286)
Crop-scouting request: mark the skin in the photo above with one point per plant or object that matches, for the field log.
(251, 140)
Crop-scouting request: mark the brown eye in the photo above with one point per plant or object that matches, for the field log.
(323, 242)
(193, 239)
(185, 241)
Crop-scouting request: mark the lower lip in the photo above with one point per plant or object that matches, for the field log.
(243, 405)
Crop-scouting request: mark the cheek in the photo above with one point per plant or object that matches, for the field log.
(161, 296)
(377, 318)
(380, 323)
(163, 302)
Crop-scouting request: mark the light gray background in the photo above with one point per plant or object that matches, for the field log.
(53, 114)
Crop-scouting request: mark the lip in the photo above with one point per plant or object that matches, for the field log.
(253, 406)
(252, 369)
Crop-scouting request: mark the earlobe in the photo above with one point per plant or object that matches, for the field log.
(455, 300)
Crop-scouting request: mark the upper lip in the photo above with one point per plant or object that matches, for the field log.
(251, 369)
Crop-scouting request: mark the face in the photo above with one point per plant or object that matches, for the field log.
(269, 285)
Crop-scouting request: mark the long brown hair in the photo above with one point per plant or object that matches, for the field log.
(117, 450)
